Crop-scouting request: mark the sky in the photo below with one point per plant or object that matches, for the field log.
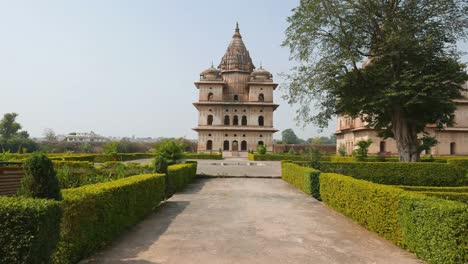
(123, 68)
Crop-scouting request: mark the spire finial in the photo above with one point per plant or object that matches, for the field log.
(237, 26)
(212, 66)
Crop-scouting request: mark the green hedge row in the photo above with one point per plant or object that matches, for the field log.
(29, 229)
(435, 230)
(454, 196)
(178, 176)
(94, 215)
(461, 189)
(279, 157)
(206, 156)
(101, 158)
(399, 173)
(304, 179)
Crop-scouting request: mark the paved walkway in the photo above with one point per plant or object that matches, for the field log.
(240, 220)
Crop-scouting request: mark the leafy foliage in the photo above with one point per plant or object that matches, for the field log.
(29, 229)
(261, 149)
(304, 179)
(410, 79)
(289, 137)
(363, 149)
(39, 180)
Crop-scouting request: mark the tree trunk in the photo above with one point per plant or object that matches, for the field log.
(406, 138)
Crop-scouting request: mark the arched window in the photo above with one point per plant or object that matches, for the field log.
(226, 120)
(236, 97)
(210, 96)
(209, 145)
(261, 97)
(382, 147)
(209, 120)
(261, 121)
(243, 145)
(260, 143)
(235, 121)
(244, 120)
(226, 145)
(453, 148)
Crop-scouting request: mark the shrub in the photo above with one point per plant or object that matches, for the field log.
(178, 176)
(171, 149)
(435, 229)
(363, 149)
(160, 164)
(373, 206)
(207, 156)
(39, 180)
(29, 229)
(461, 189)
(399, 173)
(342, 150)
(454, 196)
(304, 179)
(261, 149)
(93, 215)
(72, 174)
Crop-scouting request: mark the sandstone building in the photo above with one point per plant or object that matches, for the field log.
(453, 140)
(235, 103)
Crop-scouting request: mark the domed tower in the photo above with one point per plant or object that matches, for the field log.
(235, 104)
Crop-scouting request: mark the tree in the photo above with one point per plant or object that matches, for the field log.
(40, 180)
(289, 137)
(8, 126)
(411, 76)
(49, 134)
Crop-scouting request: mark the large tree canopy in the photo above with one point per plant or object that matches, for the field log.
(393, 63)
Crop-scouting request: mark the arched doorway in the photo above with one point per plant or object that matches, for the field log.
(244, 145)
(210, 96)
(226, 120)
(226, 145)
(261, 97)
(209, 145)
(382, 147)
(235, 121)
(235, 146)
(261, 121)
(453, 148)
(244, 120)
(260, 143)
(210, 120)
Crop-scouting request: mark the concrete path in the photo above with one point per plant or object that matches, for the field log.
(240, 220)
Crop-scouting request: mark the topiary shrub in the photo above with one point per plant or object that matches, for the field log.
(261, 149)
(160, 164)
(40, 180)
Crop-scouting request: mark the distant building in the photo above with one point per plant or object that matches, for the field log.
(453, 140)
(235, 103)
(85, 137)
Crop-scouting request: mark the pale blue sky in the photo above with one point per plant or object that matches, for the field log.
(123, 68)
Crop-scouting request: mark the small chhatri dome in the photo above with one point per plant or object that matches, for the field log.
(210, 74)
(237, 57)
(261, 75)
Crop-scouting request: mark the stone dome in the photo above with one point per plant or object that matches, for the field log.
(261, 74)
(210, 74)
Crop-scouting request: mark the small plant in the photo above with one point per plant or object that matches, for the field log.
(342, 150)
(40, 180)
(314, 155)
(363, 149)
(160, 164)
(261, 149)
(291, 151)
(111, 148)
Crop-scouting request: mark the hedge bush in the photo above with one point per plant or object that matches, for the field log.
(304, 179)
(454, 196)
(93, 215)
(435, 229)
(373, 206)
(178, 176)
(29, 229)
(279, 157)
(461, 189)
(399, 173)
(113, 170)
(206, 156)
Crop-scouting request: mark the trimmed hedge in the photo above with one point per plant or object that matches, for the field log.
(454, 196)
(461, 189)
(206, 156)
(279, 157)
(178, 176)
(304, 179)
(93, 215)
(399, 173)
(435, 230)
(29, 229)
